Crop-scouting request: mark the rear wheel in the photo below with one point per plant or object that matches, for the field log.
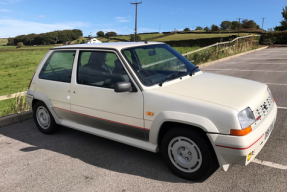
(44, 119)
(188, 154)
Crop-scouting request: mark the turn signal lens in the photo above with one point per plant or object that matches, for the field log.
(241, 132)
(273, 99)
(149, 113)
(249, 156)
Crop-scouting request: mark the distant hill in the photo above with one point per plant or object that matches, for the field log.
(3, 41)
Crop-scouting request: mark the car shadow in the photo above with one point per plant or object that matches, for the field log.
(94, 150)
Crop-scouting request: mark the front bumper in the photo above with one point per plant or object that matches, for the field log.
(232, 150)
(29, 99)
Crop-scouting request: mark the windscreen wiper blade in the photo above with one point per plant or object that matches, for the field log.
(171, 76)
(190, 73)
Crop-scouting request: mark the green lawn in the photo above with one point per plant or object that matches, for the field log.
(177, 37)
(17, 69)
(3, 41)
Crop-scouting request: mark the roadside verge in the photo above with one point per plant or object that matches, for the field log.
(200, 66)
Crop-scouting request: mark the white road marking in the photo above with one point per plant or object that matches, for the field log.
(281, 107)
(238, 62)
(269, 164)
(274, 84)
(244, 70)
(263, 58)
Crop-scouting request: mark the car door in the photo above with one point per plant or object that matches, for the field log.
(54, 81)
(94, 102)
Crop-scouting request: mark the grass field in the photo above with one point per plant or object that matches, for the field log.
(177, 37)
(17, 69)
(3, 42)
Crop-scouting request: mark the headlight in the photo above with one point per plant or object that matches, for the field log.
(270, 93)
(246, 117)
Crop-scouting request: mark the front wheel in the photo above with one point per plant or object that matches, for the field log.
(188, 154)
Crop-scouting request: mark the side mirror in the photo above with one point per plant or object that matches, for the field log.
(122, 87)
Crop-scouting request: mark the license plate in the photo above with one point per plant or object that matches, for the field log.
(269, 130)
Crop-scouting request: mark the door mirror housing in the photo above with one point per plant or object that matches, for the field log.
(123, 87)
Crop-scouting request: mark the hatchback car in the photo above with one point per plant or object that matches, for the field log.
(149, 96)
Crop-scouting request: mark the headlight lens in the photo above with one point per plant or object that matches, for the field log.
(270, 93)
(246, 117)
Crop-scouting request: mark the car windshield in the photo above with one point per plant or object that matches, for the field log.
(156, 63)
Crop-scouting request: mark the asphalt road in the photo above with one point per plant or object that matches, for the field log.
(75, 161)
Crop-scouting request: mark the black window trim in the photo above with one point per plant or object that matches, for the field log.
(107, 50)
(123, 61)
(50, 56)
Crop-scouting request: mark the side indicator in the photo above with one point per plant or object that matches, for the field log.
(149, 113)
(258, 117)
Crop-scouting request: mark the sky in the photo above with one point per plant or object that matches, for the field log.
(19, 17)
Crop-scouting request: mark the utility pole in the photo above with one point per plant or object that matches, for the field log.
(136, 4)
(239, 25)
(263, 21)
(159, 28)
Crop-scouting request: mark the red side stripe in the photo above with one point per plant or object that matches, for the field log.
(102, 119)
(29, 97)
(240, 148)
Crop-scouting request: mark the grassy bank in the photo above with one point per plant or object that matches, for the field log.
(177, 37)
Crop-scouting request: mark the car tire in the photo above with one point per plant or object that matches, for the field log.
(44, 119)
(189, 154)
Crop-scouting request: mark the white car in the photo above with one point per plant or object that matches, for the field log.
(149, 96)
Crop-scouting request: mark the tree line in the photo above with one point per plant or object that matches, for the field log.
(53, 37)
(229, 25)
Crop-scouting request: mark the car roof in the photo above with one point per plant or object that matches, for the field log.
(114, 45)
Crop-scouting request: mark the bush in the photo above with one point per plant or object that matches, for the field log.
(110, 34)
(20, 45)
(132, 37)
(199, 28)
(214, 28)
(206, 28)
(186, 30)
(84, 41)
(100, 34)
(274, 38)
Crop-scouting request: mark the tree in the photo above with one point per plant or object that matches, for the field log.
(20, 44)
(100, 34)
(132, 37)
(225, 25)
(206, 28)
(249, 24)
(199, 28)
(186, 29)
(214, 28)
(110, 34)
(283, 23)
(235, 25)
(84, 41)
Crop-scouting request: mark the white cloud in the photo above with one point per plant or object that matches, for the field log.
(5, 10)
(12, 28)
(5, 2)
(42, 16)
(122, 19)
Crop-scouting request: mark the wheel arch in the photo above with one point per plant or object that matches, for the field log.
(168, 119)
(40, 97)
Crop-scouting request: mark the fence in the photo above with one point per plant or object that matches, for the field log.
(186, 54)
(217, 44)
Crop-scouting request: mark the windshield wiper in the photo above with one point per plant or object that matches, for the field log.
(171, 76)
(190, 73)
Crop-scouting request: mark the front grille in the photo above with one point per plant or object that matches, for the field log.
(262, 110)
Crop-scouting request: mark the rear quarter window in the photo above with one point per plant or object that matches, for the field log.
(58, 67)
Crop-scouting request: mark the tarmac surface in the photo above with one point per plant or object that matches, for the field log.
(75, 161)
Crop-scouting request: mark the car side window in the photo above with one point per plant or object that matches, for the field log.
(58, 67)
(98, 68)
